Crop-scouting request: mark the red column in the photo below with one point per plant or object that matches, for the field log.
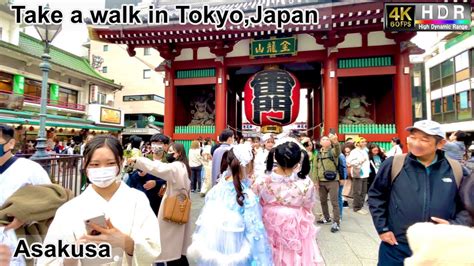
(221, 98)
(170, 94)
(403, 101)
(331, 94)
(317, 111)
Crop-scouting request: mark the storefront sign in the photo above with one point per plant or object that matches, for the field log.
(273, 47)
(93, 93)
(54, 92)
(111, 116)
(18, 84)
(272, 97)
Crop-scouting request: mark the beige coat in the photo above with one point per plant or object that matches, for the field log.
(175, 238)
(440, 244)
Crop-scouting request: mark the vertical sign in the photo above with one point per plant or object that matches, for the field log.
(93, 93)
(54, 92)
(18, 84)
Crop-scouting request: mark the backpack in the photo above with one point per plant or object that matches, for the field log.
(399, 160)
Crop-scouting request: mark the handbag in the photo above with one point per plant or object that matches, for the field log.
(328, 175)
(177, 208)
(355, 172)
(162, 191)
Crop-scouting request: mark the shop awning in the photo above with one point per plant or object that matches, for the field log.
(28, 115)
(35, 122)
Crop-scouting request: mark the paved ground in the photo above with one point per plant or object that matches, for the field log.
(356, 243)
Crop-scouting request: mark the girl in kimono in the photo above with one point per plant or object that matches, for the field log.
(288, 196)
(131, 227)
(229, 230)
(175, 238)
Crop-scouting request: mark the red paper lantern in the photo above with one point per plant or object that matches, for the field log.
(72, 130)
(60, 130)
(31, 128)
(272, 97)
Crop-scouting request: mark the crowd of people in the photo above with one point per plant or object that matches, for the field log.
(260, 197)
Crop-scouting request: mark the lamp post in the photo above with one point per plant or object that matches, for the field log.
(47, 34)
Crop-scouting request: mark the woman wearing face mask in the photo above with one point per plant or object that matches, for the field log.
(175, 238)
(131, 227)
(230, 229)
(288, 197)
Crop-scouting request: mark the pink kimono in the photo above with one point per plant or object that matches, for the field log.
(287, 215)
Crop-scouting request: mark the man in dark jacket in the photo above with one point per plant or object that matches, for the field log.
(147, 183)
(425, 190)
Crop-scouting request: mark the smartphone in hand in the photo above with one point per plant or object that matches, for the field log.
(99, 220)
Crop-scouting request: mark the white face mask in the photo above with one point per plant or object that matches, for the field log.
(104, 176)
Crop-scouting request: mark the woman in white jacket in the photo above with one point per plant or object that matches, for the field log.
(130, 227)
(360, 170)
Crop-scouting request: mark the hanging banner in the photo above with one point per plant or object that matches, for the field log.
(18, 84)
(54, 92)
(272, 97)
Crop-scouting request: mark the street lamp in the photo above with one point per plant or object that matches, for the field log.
(47, 34)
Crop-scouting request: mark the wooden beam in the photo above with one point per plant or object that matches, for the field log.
(366, 71)
(192, 136)
(302, 57)
(195, 81)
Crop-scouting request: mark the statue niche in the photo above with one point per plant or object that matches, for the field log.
(203, 113)
(357, 112)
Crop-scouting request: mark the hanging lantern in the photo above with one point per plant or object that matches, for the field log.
(60, 130)
(31, 128)
(72, 130)
(51, 129)
(272, 99)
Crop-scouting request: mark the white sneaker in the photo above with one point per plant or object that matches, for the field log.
(362, 211)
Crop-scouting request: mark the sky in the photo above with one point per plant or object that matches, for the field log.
(73, 36)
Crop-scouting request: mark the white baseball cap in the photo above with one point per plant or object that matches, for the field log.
(429, 127)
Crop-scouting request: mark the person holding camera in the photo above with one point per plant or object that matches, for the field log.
(149, 184)
(327, 179)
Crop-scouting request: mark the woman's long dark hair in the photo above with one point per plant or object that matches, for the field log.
(103, 141)
(288, 155)
(381, 153)
(229, 160)
(179, 148)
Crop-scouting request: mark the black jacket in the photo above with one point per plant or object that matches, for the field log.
(415, 196)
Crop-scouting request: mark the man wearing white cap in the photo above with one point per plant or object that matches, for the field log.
(425, 188)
